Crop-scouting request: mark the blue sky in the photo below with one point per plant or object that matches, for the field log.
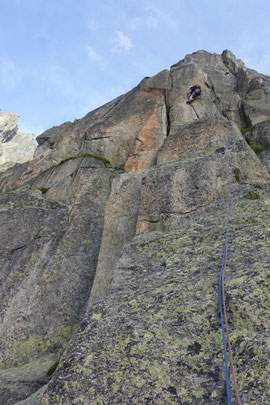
(60, 59)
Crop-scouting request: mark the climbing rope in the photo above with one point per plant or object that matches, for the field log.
(222, 303)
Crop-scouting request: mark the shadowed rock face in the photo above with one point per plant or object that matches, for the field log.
(113, 234)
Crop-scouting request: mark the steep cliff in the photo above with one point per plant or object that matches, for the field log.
(112, 241)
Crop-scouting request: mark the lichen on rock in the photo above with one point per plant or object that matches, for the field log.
(113, 268)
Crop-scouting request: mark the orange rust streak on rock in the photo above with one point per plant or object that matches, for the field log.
(147, 140)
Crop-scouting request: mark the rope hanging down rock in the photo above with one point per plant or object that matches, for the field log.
(222, 304)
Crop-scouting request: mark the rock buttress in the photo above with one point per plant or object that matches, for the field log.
(154, 334)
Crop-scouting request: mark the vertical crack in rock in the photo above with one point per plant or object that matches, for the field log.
(195, 111)
(145, 245)
(166, 100)
(244, 117)
(151, 134)
(119, 228)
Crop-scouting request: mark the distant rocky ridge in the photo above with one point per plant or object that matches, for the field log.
(15, 146)
(112, 239)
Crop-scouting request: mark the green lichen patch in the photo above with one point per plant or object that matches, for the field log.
(159, 338)
(246, 130)
(42, 189)
(105, 161)
(37, 346)
(26, 197)
(257, 148)
(96, 316)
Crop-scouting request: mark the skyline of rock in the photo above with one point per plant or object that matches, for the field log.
(112, 239)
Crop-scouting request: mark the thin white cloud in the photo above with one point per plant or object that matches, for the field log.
(92, 26)
(121, 42)
(136, 23)
(10, 74)
(166, 18)
(93, 55)
(149, 21)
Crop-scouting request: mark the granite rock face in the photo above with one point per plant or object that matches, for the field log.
(112, 241)
(156, 336)
(15, 147)
(48, 261)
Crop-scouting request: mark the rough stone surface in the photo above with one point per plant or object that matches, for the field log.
(19, 382)
(33, 399)
(156, 337)
(114, 234)
(119, 228)
(15, 147)
(259, 136)
(189, 178)
(109, 131)
(49, 251)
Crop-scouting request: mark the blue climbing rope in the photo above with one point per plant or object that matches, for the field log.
(220, 282)
(222, 305)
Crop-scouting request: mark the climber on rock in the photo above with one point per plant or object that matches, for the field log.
(193, 92)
